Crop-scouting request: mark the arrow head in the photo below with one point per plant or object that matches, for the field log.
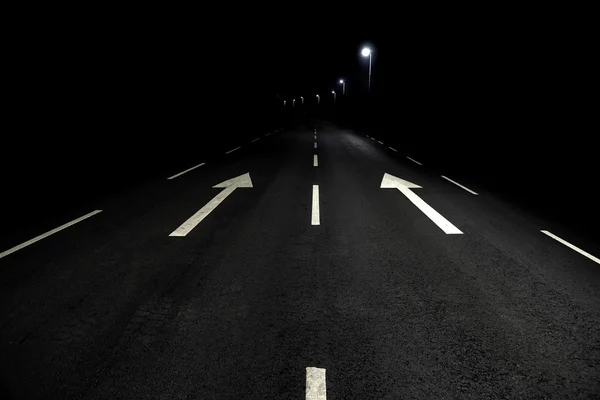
(242, 181)
(393, 182)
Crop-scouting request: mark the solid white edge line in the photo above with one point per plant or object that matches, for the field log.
(459, 185)
(379, 142)
(391, 148)
(187, 170)
(45, 235)
(232, 150)
(316, 387)
(254, 140)
(415, 161)
(315, 161)
(316, 215)
(577, 249)
(315, 145)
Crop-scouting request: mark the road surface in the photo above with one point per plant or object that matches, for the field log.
(304, 279)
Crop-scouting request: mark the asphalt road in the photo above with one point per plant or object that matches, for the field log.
(376, 294)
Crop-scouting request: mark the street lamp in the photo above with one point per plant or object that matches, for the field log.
(343, 82)
(293, 103)
(366, 52)
(334, 95)
(302, 98)
(284, 102)
(318, 99)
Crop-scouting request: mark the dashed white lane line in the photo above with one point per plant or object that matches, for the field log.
(315, 145)
(459, 185)
(315, 161)
(315, 384)
(187, 170)
(232, 150)
(315, 137)
(372, 138)
(368, 136)
(254, 140)
(380, 142)
(268, 134)
(577, 249)
(316, 215)
(45, 235)
(413, 160)
(393, 149)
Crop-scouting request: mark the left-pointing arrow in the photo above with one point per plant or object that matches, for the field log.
(242, 181)
(393, 182)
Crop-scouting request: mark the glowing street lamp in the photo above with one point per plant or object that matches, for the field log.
(343, 82)
(318, 99)
(293, 103)
(302, 98)
(366, 52)
(334, 95)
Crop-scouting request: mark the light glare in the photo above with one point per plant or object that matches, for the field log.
(366, 51)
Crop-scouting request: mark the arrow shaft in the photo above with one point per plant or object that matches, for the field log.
(195, 219)
(436, 217)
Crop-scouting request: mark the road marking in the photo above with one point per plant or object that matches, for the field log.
(577, 249)
(459, 185)
(229, 186)
(393, 182)
(316, 215)
(254, 140)
(315, 137)
(45, 235)
(391, 148)
(315, 384)
(415, 161)
(268, 134)
(187, 170)
(379, 142)
(372, 138)
(232, 150)
(315, 145)
(368, 136)
(315, 161)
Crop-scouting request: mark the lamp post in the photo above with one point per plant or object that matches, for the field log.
(366, 52)
(293, 103)
(284, 102)
(318, 99)
(302, 98)
(343, 82)
(334, 96)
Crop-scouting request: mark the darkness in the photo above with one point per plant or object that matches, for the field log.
(98, 104)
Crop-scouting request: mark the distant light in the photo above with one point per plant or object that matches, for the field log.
(333, 91)
(366, 51)
(341, 81)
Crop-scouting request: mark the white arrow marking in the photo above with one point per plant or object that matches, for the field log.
(393, 182)
(315, 384)
(242, 181)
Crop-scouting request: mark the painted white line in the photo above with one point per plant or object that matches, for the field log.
(372, 138)
(315, 161)
(393, 149)
(255, 140)
(577, 249)
(268, 134)
(316, 215)
(315, 145)
(187, 170)
(228, 186)
(379, 142)
(45, 235)
(315, 384)
(413, 160)
(459, 185)
(315, 137)
(368, 136)
(232, 150)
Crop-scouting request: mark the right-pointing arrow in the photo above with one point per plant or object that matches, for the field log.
(393, 182)
(228, 186)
